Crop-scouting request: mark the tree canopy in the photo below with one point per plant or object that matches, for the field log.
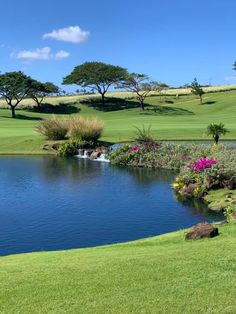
(138, 84)
(14, 86)
(40, 90)
(216, 130)
(196, 89)
(98, 76)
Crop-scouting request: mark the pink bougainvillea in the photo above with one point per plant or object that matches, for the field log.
(202, 164)
(134, 149)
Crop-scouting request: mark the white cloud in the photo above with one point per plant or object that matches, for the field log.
(62, 54)
(44, 53)
(32, 55)
(73, 34)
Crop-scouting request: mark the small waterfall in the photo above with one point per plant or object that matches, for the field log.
(85, 154)
(82, 153)
(102, 158)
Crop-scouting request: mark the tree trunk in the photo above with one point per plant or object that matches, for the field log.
(142, 105)
(103, 98)
(13, 113)
(216, 139)
(201, 99)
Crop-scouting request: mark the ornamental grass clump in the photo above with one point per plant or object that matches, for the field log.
(85, 129)
(53, 128)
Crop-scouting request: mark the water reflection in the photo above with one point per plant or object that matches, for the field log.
(50, 203)
(146, 176)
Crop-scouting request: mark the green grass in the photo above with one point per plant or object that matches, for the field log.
(220, 197)
(164, 274)
(185, 119)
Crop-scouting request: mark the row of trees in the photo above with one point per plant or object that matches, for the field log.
(15, 86)
(98, 76)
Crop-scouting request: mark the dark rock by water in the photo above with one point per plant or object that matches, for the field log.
(202, 230)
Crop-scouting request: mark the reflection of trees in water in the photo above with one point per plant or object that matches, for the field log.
(56, 168)
(198, 206)
(146, 176)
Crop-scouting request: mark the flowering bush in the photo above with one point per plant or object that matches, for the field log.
(134, 149)
(157, 155)
(202, 164)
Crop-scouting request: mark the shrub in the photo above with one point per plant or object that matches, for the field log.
(144, 135)
(85, 130)
(229, 211)
(53, 128)
(157, 155)
(68, 149)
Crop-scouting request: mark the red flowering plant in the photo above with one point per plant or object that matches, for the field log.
(202, 164)
(134, 149)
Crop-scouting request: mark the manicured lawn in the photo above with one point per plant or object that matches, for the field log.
(164, 274)
(184, 119)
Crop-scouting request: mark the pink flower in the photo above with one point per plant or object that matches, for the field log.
(202, 164)
(134, 149)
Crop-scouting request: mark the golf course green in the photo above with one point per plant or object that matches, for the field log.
(164, 274)
(181, 118)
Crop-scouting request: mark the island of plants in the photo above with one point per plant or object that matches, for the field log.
(202, 172)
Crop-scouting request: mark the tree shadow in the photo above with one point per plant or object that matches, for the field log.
(22, 117)
(209, 102)
(169, 111)
(61, 108)
(111, 104)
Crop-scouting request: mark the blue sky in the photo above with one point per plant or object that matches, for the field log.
(171, 41)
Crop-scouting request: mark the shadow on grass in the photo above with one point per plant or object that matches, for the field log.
(22, 117)
(209, 102)
(111, 104)
(61, 108)
(168, 111)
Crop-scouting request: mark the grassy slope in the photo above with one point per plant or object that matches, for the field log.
(185, 119)
(164, 274)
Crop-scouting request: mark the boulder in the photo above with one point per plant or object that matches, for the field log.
(202, 230)
(188, 190)
(233, 215)
(55, 146)
(95, 154)
(217, 207)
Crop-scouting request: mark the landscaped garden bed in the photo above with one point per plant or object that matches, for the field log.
(203, 172)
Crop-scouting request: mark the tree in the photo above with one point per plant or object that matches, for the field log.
(138, 84)
(216, 130)
(160, 88)
(14, 87)
(97, 76)
(41, 90)
(196, 89)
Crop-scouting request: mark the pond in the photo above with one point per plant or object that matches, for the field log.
(50, 203)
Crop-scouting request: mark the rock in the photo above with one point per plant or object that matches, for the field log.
(222, 222)
(202, 230)
(46, 147)
(95, 154)
(230, 184)
(211, 182)
(233, 216)
(188, 190)
(55, 146)
(217, 207)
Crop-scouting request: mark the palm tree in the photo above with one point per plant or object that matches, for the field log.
(216, 130)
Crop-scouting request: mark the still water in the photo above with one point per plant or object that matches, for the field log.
(50, 203)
